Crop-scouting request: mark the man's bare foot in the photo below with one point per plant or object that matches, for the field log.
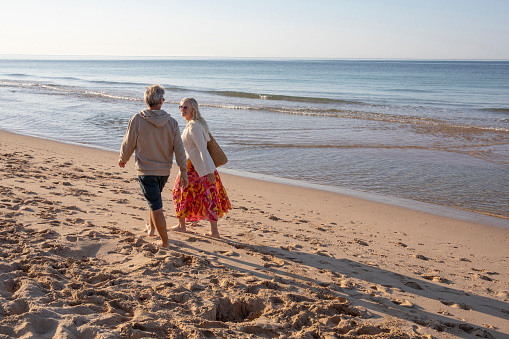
(160, 244)
(213, 235)
(150, 230)
(178, 228)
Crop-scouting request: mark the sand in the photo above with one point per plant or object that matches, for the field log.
(292, 262)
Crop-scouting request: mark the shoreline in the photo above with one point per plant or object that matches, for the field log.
(291, 261)
(439, 210)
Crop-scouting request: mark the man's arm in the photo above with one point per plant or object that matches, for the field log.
(128, 145)
(180, 156)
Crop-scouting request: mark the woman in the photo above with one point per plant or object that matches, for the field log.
(205, 196)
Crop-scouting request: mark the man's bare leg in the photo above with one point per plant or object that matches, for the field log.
(150, 227)
(158, 220)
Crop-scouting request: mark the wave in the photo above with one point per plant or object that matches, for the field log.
(232, 94)
(496, 110)
(275, 97)
(108, 96)
(359, 114)
(268, 144)
(17, 75)
(280, 145)
(101, 82)
(66, 90)
(23, 75)
(272, 103)
(64, 78)
(108, 82)
(470, 150)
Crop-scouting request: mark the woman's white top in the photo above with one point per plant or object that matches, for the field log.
(195, 140)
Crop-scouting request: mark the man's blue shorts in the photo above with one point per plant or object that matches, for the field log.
(151, 187)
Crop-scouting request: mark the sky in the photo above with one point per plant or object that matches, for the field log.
(366, 29)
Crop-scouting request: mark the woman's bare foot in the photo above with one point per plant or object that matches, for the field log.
(211, 234)
(150, 229)
(214, 232)
(178, 228)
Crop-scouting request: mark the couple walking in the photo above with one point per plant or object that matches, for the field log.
(155, 136)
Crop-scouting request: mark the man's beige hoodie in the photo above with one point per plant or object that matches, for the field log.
(155, 136)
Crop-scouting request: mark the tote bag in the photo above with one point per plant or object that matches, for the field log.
(216, 153)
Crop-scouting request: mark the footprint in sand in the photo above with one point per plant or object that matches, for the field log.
(274, 262)
(483, 277)
(414, 285)
(435, 278)
(324, 253)
(229, 253)
(72, 238)
(403, 302)
(288, 248)
(456, 305)
(16, 307)
(359, 241)
(420, 256)
(444, 312)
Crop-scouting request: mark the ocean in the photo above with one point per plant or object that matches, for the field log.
(410, 132)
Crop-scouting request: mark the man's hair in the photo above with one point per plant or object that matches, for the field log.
(153, 95)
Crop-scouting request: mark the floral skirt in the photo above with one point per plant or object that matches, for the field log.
(200, 199)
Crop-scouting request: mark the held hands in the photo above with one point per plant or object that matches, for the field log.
(211, 178)
(183, 180)
(121, 164)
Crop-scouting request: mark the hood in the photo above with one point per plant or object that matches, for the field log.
(158, 118)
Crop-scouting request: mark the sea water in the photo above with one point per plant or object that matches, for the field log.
(429, 131)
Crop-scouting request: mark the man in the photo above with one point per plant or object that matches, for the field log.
(155, 136)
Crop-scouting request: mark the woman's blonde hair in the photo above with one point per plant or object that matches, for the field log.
(196, 113)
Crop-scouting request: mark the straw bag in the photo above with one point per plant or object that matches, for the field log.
(216, 153)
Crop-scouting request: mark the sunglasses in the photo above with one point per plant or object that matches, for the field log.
(183, 107)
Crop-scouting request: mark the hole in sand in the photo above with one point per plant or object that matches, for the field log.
(10, 286)
(239, 310)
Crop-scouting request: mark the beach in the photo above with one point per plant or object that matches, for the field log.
(292, 262)
(428, 131)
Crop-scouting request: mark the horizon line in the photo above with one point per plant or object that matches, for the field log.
(227, 57)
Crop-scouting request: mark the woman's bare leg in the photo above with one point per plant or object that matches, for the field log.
(181, 227)
(214, 232)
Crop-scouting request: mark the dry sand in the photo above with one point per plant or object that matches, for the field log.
(292, 262)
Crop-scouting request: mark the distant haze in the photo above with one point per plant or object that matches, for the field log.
(401, 29)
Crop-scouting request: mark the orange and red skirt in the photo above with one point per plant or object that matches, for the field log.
(200, 199)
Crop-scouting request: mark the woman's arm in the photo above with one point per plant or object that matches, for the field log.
(197, 134)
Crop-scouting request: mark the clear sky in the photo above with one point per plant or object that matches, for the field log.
(402, 29)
